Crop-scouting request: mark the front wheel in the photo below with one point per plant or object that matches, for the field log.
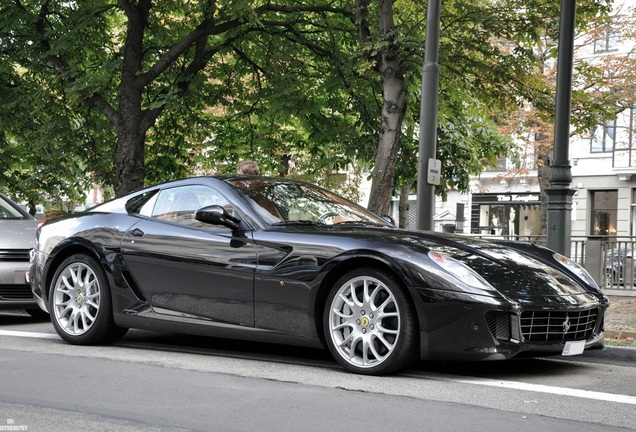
(80, 303)
(369, 323)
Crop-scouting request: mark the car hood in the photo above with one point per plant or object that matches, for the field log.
(525, 274)
(17, 234)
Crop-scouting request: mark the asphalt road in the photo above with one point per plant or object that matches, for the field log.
(151, 381)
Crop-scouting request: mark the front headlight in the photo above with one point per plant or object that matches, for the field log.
(574, 268)
(459, 270)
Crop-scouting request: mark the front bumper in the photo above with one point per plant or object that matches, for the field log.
(455, 326)
(15, 292)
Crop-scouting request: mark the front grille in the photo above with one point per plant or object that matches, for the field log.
(537, 326)
(14, 255)
(16, 292)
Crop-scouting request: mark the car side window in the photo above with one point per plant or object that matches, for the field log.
(8, 212)
(179, 204)
(142, 204)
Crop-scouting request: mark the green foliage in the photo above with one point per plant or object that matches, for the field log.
(492, 59)
(289, 86)
(268, 86)
(302, 109)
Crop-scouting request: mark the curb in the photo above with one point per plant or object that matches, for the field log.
(612, 353)
(620, 335)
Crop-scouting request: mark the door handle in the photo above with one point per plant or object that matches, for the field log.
(137, 233)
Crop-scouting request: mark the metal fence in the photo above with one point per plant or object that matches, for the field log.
(609, 260)
(618, 264)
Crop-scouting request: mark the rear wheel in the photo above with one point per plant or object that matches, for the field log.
(369, 323)
(80, 303)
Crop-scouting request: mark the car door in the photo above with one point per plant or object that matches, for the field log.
(187, 267)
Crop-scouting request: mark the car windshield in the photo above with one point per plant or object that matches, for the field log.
(7, 211)
(280, 201)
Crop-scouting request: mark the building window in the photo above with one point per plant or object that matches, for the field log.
(608, 37)
(604, 212)
(633, 213)
(512, 221)
(502, 165)
(603, 137)
(625, 142)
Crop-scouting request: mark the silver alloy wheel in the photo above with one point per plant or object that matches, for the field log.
(76, 298)
(364, 322)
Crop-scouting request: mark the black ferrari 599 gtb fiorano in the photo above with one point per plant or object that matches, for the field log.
(284, 261)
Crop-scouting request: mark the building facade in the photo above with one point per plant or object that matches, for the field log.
(603, 160)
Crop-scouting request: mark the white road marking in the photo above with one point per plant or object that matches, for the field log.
(540, 388)
(515, 385)
(29, 334)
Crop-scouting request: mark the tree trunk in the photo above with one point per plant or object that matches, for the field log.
(130, 159)
(130, 124)
(543, 175)
(405, 207)
(393, 111)
(543, 148)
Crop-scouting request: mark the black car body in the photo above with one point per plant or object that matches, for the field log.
(284, 261)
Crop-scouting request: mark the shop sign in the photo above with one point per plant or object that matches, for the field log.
(517, 198)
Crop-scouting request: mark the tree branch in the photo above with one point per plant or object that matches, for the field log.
(94, 101)
(209, 27)
(98, 101)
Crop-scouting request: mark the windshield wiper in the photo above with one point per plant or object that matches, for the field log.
(365, 223)
(296, 222)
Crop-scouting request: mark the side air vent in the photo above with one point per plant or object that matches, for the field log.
(499, 324)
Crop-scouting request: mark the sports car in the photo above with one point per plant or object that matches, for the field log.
(285, 261)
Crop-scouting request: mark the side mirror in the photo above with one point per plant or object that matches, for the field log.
(217, 215)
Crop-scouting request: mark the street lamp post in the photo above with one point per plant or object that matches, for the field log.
(428, 117)
(559, 229)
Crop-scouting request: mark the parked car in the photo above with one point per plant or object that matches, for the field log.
(284, 261)
(620, 265)
(17, 238)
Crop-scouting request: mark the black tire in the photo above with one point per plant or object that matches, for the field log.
(369, 323)
(80, 303)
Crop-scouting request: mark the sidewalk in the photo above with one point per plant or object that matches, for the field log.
(620, 319)
(620, 328)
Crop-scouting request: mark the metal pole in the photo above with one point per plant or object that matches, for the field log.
(559, 193)
(428, 117)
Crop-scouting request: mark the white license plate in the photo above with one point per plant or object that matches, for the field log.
(573, 348)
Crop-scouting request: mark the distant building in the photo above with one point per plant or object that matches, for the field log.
(603, 163)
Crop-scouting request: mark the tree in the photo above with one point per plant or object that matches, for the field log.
(383, 54)
(132, 60)
(194, 87)
(488, 67)
(40, 139)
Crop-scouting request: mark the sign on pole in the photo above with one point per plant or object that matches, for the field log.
(434, 171)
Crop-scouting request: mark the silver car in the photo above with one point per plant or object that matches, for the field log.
(17, 237)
